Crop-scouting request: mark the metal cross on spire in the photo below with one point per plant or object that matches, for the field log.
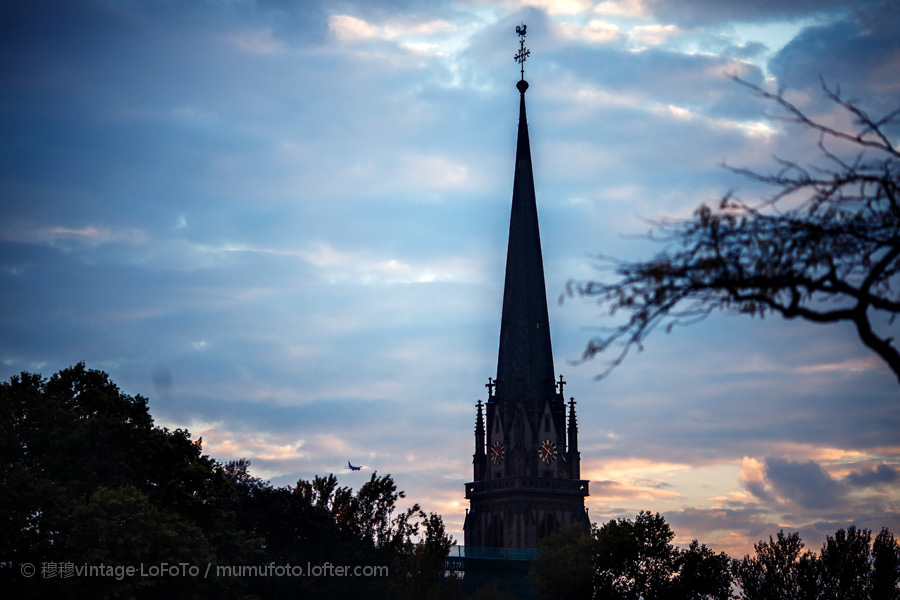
(524, 52)
(490, 385)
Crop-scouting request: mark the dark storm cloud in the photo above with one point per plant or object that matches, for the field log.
(748, 520)
(880, 475)
(860, 53)
(805, 483)
(758, 489)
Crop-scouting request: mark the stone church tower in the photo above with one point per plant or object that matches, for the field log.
(526, 481)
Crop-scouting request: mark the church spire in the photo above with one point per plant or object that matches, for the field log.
(525, 362)
(525, 483)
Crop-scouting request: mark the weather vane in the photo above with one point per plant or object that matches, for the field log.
(523, 51)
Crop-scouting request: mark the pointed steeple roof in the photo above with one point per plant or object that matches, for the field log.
(525, 363)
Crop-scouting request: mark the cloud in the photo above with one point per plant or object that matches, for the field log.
(880, 475)
(350, 30)
(854, 365)
(621, 8)
(805, 483)
(860, 53)
(361, 267)
(258, 42)
(559, 7)
(701, 12)
(161, 377)
(702, 522)
(653, 35)
(618, 491)
(746, 51)
(753, 478)
(69, 236)
(595, 32)
(193, 203)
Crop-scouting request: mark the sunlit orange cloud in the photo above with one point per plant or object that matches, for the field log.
(799, 451)
(854, 365)
(220, 443)
(628, 469)
(752, 471)
(837, 462)
(733, 544)
(616, 491)
(450, 504)
(733, 498)
(866, 464)
(329, 443)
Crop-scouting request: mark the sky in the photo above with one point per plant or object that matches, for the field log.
(285, 224)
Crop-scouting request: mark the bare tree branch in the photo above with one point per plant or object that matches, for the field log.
(831, 255)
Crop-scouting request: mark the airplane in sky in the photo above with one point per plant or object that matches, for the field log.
(351, 467)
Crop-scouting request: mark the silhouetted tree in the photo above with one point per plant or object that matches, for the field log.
(391, 536)
(849, 565)
(419, 565)
(88, 480)
(844, 566)
(702, 574)
(562, 568)
(885, 567)
(121, 526)
(369, 513)
(825, 247)
(778, 570)
(86, 477)
(636, 560)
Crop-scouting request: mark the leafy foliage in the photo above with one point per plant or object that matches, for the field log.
(635, 559)
(824, 247)
(92, 476)
(702, 574)
(778, 570)
(369, 516)
(848, 566)
(844, 569)
(629, 560)
(562, 568)
(885, 567)
(89, 480)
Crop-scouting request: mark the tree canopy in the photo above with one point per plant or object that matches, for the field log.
(629, 559)
(824, 247)
(849, 565)
(636, 559)
(88, 480)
